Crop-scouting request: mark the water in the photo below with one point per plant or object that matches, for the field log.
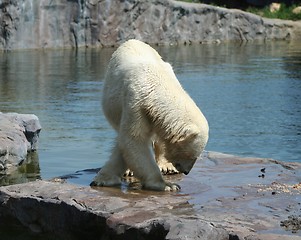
(250, 94)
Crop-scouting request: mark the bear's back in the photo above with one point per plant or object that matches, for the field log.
(136, 52)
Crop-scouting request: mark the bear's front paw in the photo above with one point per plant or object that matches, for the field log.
(167, 168)
(172, 187)
(161, 186)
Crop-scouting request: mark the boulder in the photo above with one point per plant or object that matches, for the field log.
(275, 7)
(297, 10)
(223, 197)
(19, 135)
(62, 23)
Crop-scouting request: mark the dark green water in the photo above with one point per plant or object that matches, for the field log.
(250, 94)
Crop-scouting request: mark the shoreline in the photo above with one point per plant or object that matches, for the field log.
(224, 197)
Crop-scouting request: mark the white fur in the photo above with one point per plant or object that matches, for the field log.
(145, 104)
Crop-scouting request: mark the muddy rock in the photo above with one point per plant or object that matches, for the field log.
(223, 197)
(62, 23)
(19, 135)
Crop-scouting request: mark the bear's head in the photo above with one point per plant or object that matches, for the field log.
(184, 152)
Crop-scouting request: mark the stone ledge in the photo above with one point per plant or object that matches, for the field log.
(224, 197)
(72, 212)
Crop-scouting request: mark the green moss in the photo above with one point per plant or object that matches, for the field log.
(285, 12)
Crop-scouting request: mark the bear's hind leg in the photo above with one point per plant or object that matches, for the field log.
(139, 158)
(166, 167)
(110, 174)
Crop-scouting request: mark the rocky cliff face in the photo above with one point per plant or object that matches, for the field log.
(76, 23)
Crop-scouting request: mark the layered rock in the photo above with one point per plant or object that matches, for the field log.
(19, 135)
(63, 23)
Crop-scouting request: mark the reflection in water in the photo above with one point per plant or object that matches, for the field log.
(249, 93)
(29, 170)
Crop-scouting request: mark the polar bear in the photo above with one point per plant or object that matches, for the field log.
(153, 117)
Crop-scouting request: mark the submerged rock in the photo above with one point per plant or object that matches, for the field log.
(64, 23)
(222, 198)
(19, 135)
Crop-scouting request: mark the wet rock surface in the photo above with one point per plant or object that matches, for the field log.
(64, 23)
(293, 223)
(19, 135)
(224, 197)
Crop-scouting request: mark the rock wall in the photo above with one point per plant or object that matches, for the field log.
(64, 23)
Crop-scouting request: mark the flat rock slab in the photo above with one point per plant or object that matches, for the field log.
(224, 197)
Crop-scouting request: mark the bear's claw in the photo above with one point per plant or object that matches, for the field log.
(104, 180)
(94, 184)
(128, 173)
(172, 187)
(168, 168)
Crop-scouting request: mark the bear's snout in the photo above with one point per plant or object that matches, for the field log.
(180, 168)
